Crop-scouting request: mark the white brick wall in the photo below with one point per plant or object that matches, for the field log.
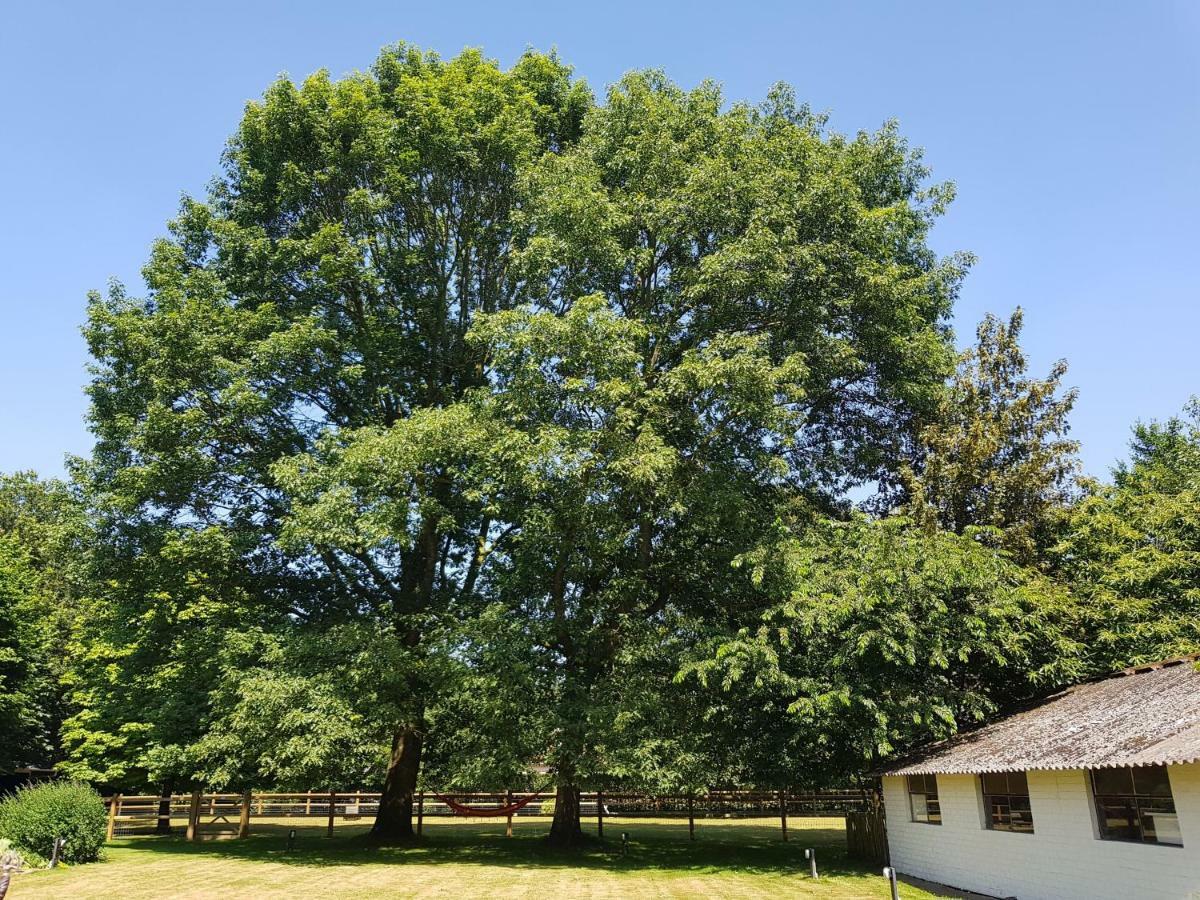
(1063, 859)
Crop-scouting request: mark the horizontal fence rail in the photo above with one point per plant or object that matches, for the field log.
(229, 813)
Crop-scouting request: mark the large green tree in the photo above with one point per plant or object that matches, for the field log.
(327, 284)
(726, 308)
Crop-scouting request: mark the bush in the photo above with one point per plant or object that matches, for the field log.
(34, 816)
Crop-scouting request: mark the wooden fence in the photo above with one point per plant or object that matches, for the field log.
(866, 835)
(232, 814)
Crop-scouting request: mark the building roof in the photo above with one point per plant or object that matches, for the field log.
(1142, 716)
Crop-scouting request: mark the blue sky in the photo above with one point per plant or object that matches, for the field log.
(1071, 130)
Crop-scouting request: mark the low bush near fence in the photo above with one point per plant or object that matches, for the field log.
(34, 817)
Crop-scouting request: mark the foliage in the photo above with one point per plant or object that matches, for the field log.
(34, 817)
(326, 285)
(996, 454)
(24, 682)
(884, 636)
(1132, 551)
(41, 528)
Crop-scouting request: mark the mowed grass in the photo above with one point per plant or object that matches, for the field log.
(473, 858)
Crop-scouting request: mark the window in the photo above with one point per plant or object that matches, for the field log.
(923, 799)
(1006, 802)
(1135, 804)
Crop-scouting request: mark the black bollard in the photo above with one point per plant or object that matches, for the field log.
(624, 843)
(291, 840)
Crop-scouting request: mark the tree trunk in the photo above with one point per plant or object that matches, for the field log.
(394, 821)
(565, 830)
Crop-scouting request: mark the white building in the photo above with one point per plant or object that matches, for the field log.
(1091, 793)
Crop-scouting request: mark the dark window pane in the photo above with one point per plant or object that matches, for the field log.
(1119, 819)
(1018, 783)
(935, 811)
(1151, 781)
(1000, 809)
(1021, 814)
(1113, 781)
(995, 783)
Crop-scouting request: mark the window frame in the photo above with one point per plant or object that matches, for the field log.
(1139, 804)
(927, 796)
(992, 821)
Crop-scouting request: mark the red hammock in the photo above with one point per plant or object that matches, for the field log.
(461, 809)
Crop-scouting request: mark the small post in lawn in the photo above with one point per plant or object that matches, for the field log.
(420, 812)
(811, 856)
(691, 818)
(600, 815)
(193, 828)
(508, 802)
(112, 815)
(783, 812)
(332, 810)
(244, 822)
(890, 874)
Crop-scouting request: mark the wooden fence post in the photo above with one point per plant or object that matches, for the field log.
(691, 818)
(244, 824)
(508, 802)
(308, 803)
(332, 810)
(113, 805)
(420, 812)
(600, 815)
(162, 825)
(783, 812)
(193, 828)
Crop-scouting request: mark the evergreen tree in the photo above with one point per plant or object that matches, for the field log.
(997, 456)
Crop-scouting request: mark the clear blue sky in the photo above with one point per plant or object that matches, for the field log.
(1072, 130)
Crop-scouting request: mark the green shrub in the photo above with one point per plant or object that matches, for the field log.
(34, 816)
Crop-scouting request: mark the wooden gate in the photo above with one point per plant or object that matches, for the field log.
(866, 836)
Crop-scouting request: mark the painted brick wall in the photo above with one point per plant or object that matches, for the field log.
(1062, 860)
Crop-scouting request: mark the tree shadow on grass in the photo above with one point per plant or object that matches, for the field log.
(652, 846)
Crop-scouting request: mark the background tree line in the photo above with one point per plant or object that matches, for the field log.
(471, 423)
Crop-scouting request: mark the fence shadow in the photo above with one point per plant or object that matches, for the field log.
(729, 846)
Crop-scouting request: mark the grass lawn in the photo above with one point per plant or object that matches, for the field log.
(729, 858)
